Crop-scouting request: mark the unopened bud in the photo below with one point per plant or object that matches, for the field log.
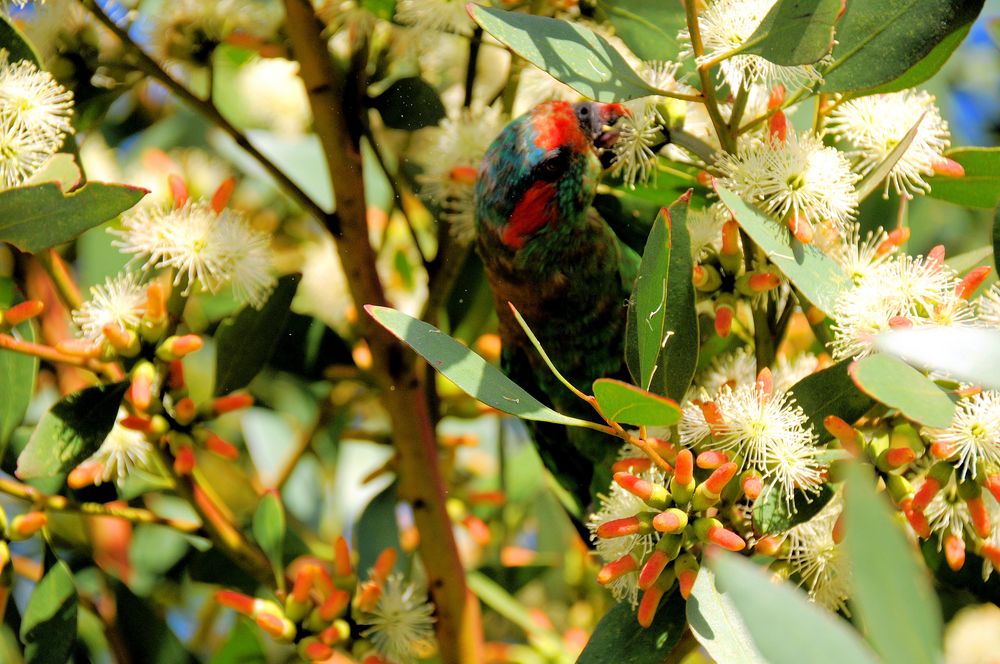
(336, 633)
(79, 348)
(941, 450)
(948, 167)
(185, 411)
(711, 459)
(221, 447)
(707, 278)
(478, 529)
(311, 649)
(752, 484)
(935, 257)
(383, 565)
(993, 486)
(222, 195)
(184, 459)
(895, 458)
(86, 474)
(954, 551)
(650, 572)
(979, 516)
(632, 464)
(174, 348)
(640, 524)
(141, 389)
(279, 627)
(777, 127)
(342, 568)
(686, 568)
(670, 521)
(334, 605)
(776, 97)
(231, 402)
(25, 525)
(896, 238)
(771, 545)
(801, 229)
(617, 569)
(125, 342)
(178, 190)
(972, 281)
(713, 417)
(21, 312)
(651, 598)
(654, 495)
(724, 313)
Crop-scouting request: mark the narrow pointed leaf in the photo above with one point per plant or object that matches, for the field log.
(470, 372)
(245, 343)
(815, 274)
(892, 592)
(649, 29)
(996, 238)
(48, 629)
(619, 637)
(794, 32)
(979, 187)
(17, 373)
(42, 216)
(927, 66)
(878, 40)
(831, 392)
(15, 43)
(628, 404)
(784, 624)
(898, 385)
(571, 53)
(877, 175)
(269, 531)
(663, 306)
(71, 431)
(947, 349)
(717, 624)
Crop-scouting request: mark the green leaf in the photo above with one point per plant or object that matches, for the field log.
(794, 32)
(378, 529)
(619, 637)
(927, 66)
(500, 600)
(815, 274)
(628, 404)
(42, 216)
(145, 635)
(831, 392)
(877, 175)
(716, 623)
(573, 54)
(879, 40)
(410, 104)
(979, 187)
(772, 515)
(71, 431)
(947, 349)
(996, 238)
(383, 9)
(784, 624)
(246, 343)
(17, 373)
(467, 370)
(649, 29)
(666, 324)
(242, 647)
(15, 43)
(900, 386)
(269, 531)
(892, 593)
(48, 629)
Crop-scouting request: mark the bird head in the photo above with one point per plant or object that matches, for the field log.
(540, 174)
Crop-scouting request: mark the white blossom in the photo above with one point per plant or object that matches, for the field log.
(428, 16)
(123, 452)
(400, 624)
(274, 94)
(118, 301)
(820, 563)
(974, 434)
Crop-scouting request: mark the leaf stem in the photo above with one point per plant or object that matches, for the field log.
(50, 354)
(707, 88)
(63, 281)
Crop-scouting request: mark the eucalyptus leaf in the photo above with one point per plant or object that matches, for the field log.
(794, 32)
(979, 187)
(48, 629)
(830, 392)
(772, 515)
(269, 531)
(892, 593)
(898, 385)
(784, 624)
(14, 41)
(620, 638)
(628, 404)
(41, 216)
(17, 373)
(967, 354)
(814, 273)
(649, 29)
(873, 178)
(927, 66)
(879, 40)
(245, 343)
(71, 431)
(716, 623)
(571, 53)
(467, 370)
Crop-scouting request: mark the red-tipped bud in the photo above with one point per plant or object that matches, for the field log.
(175, 376)
(895, 458)
(896, 238)
(991, 553)
(86, 474)
(22, 312)
(684, 468)
(367, 596)
(917, 519)
(174, 348)
(954, 551)
(334, 605)
(993, 486)
(720, 477)
(342, 568)
(303, 583)
(776, 98)
(670, 521)
(277, 626)
(313, 650)
(651, 599)
(752, 485)
(222, 195)
(730, 238)
(948, 168)
(727, 539)
(935, 257)
(639, 524)
(237, 602)
(761, 282)
(231, 402)
(925, 494)
(125, 342)
(156, 303)
(711, 459)
(178, 190)
(79, 348)
(707, 278)
(617, 569)
(941, 450)
(713, 417)
(633, 464)
(979, 516)
(383, 565)
(221, 447)
(185, 411)
(685, 581)
(654, 495)
(650, 572)
(25, 525)
(777, 127)
(478, 529)
(801, 229)
(136, 423)
(900, 323)
(140, 391)
(843, 432)
(184, 460)
(973, 280)
(723, 319)
(769, 545)
(838, 529)
(765, 385)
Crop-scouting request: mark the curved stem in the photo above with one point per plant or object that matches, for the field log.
(704, 73)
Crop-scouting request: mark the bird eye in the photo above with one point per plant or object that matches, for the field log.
(553, 167)
(584, 111)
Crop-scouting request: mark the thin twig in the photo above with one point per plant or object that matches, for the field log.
(704, 73)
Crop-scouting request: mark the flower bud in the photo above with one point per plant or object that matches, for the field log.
(154, 318)
(632, 464)
(178, 190)
(342, 569)
(801, 229)
(711, 459)
(972, 281)
(895, 458)
(141, 389)
(979, 516)
(706, 278)
(654, 495)
(231, 402)
(185, 411)
(311, 649)
(617, 569)
(25, 525)
(724, 313)
(686, 569)
(896, 238)
(772, 545)
(651, 598)
(221, 447)
(954, 551)
(640, 524)
(124, 342)
(222, 195)
(174, 348)
(184, 459)
(21, 312)
(670, 521)
(948, 167)
(751, 484)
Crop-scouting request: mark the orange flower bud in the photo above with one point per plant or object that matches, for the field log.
(684, 468)
(948, 168)
(342, 568)
(220, 199)
(935, 257)
(639, 524)
(752, 485)
(670, 521)
(979, 516)
(654, 495)
(334, 605)
(897, 237)
(634, 464)
(184, 460)
(801, 229)
(711, 459)
(925, 494)
(178, 190)
(723, 319)
(650, 572)
(231, 402)
(25, 525)
(21, 312)
(616, 569)
(720, 477)
(777, 126)
(973, 280)
(954, 551)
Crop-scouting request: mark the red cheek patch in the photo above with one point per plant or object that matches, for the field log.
(555, 125)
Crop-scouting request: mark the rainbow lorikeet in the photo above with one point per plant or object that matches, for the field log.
(548, 252)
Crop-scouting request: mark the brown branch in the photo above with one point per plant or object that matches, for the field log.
(333, 96)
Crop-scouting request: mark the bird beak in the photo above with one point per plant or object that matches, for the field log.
(608, 115)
